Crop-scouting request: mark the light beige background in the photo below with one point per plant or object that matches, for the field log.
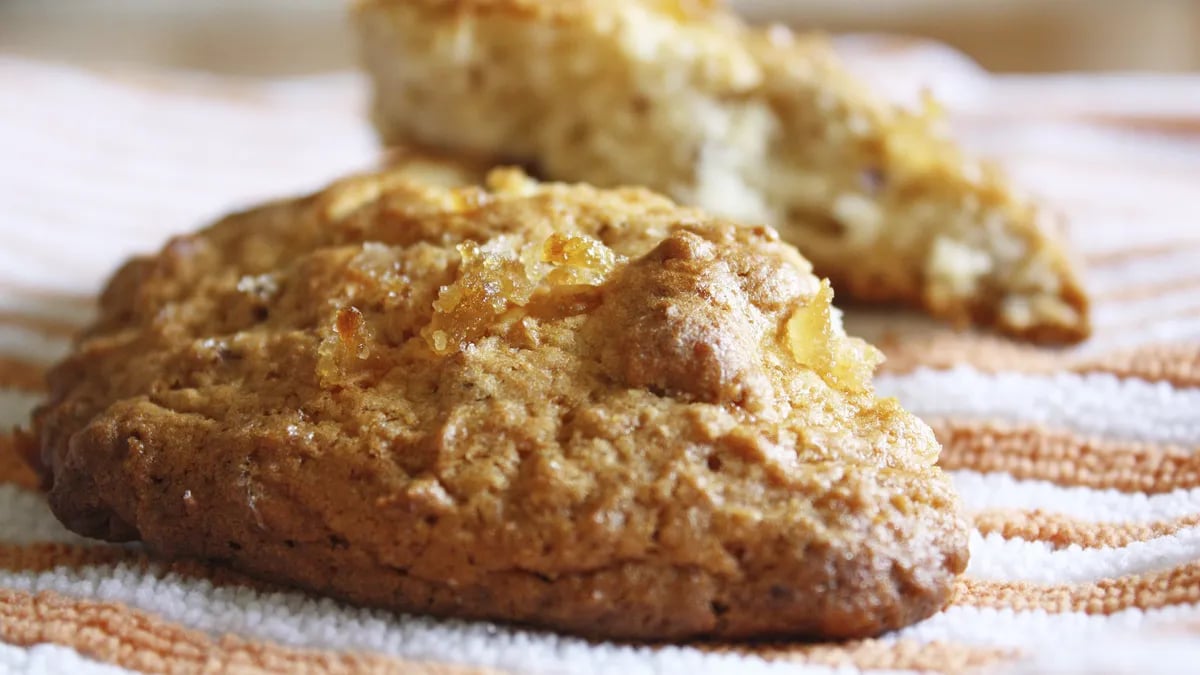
(301, 36)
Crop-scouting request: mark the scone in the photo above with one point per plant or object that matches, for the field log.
(757, 125)
(588, 410)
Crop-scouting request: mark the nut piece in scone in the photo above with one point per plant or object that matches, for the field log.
(588, 410)
(758, 125)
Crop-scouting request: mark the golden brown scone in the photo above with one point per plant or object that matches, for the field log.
(588, 410)
(757, 125)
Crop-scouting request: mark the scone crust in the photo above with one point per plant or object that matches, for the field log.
(963, 245)
(359, 393)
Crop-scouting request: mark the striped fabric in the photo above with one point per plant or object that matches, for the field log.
(1080, 467)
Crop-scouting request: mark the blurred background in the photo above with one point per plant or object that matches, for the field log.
(289, 37)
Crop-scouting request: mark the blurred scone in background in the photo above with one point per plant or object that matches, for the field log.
(286, 37)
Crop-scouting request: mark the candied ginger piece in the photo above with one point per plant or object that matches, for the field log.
(349, 342)
(487, 284)
(816, 339)
(490, 284)
(577, 260)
